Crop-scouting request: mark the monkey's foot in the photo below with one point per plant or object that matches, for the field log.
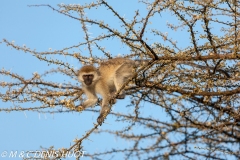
(121, 96)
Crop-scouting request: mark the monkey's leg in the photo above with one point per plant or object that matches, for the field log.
(122, 74)
(118, 84)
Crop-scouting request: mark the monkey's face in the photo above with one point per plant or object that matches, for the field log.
(88, 79)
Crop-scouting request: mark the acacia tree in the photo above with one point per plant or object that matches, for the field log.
(197, 85)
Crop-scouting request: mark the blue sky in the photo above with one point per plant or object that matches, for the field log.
(40, 28)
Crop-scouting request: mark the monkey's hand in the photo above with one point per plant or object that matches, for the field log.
(100, 119)
(121, 96)
(103, 115)
(112, 100)
(80, 108)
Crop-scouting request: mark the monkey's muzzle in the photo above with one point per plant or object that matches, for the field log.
(88, 82)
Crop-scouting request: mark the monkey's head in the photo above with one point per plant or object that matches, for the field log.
(88, 75)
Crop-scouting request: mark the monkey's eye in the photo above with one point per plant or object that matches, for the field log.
(90, 76)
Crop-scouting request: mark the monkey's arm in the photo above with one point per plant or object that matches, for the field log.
(105, 109)
(89, 103)
(91, 100)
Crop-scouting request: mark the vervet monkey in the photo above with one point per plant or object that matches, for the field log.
(105, 80)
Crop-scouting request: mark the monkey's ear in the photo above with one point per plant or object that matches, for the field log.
(96, 77)
(98, 72)
(80, 78)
